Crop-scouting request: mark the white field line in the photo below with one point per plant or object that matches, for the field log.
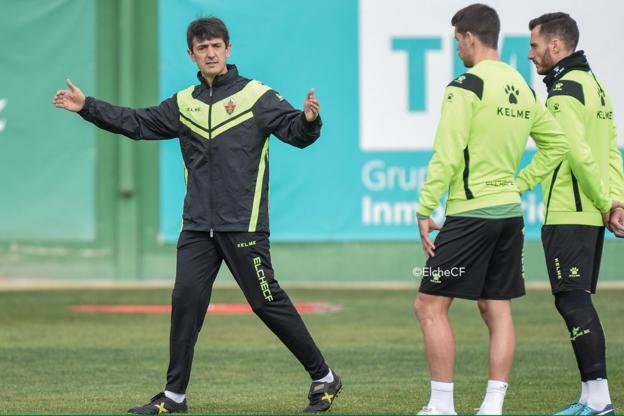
(23, 284)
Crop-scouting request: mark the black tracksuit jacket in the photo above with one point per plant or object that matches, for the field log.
(224, 132)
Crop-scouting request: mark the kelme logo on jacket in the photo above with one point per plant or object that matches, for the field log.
(230, 106)
(512, 93)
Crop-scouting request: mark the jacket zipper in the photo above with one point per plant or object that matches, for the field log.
(210, 161)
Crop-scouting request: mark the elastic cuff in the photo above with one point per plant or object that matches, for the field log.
(314, 124)
(85, 109)
(423, 211)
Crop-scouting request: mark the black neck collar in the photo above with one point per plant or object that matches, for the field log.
(575, 61)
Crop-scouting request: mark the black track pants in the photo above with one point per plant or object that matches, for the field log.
(247, 255)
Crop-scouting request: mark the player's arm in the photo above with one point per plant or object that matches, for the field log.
(160, 122)
(616, 172)
(552, 146)
(567, 106)
(450, 141)
(298, 128)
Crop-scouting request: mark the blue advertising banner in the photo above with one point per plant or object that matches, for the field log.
(379, 73)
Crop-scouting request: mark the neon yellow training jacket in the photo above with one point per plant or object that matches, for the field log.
(487, 115)
(591, 176)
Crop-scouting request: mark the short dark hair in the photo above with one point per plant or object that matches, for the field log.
(481, 20)
(557, 24)
(206, 28)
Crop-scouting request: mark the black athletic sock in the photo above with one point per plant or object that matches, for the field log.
(586, 333)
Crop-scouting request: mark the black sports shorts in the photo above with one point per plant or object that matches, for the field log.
(573, 254)
(477, 258)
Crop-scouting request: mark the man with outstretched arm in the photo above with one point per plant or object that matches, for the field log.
(223, 124)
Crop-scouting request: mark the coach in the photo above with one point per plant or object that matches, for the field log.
(223, 124)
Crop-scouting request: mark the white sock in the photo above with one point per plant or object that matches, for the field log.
(178, 398)
(584, 393)
(494, 398)
(598, 396)
(329, 378)
(441, 399)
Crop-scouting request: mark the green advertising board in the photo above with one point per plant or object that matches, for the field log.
(47, 157)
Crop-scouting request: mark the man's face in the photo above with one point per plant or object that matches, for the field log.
(210, 55)
(464, 49)
(540, 52)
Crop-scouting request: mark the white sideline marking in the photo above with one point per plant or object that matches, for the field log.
(24, 284)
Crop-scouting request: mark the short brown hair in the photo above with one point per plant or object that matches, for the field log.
(481, 20)
(557, 24)
(206, 28)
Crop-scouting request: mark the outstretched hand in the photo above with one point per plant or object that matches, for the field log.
(311, 106)
(72, 99)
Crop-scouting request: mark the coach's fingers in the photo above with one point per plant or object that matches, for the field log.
(314, 107)
(59, 97)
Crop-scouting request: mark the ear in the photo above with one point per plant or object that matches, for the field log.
(190, 54)
(228, 50)
(555, 45)
(470, 38)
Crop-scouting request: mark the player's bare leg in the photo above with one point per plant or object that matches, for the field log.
(497, 316)
(432, 313)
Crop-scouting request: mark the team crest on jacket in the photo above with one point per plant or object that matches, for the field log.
(230, 106)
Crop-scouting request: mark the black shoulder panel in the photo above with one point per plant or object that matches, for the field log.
(569, 88)
(469, 82)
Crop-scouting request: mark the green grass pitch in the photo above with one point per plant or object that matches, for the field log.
(55, 361)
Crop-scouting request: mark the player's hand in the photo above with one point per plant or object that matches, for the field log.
(616, 222)
(72, 99)
(311, 106)
(427, 225)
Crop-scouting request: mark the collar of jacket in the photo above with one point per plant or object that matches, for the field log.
(220, 80)
(575, 61)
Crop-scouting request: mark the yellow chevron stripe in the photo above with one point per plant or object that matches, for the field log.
(234, 123)
(194, 127)
(243, 101)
